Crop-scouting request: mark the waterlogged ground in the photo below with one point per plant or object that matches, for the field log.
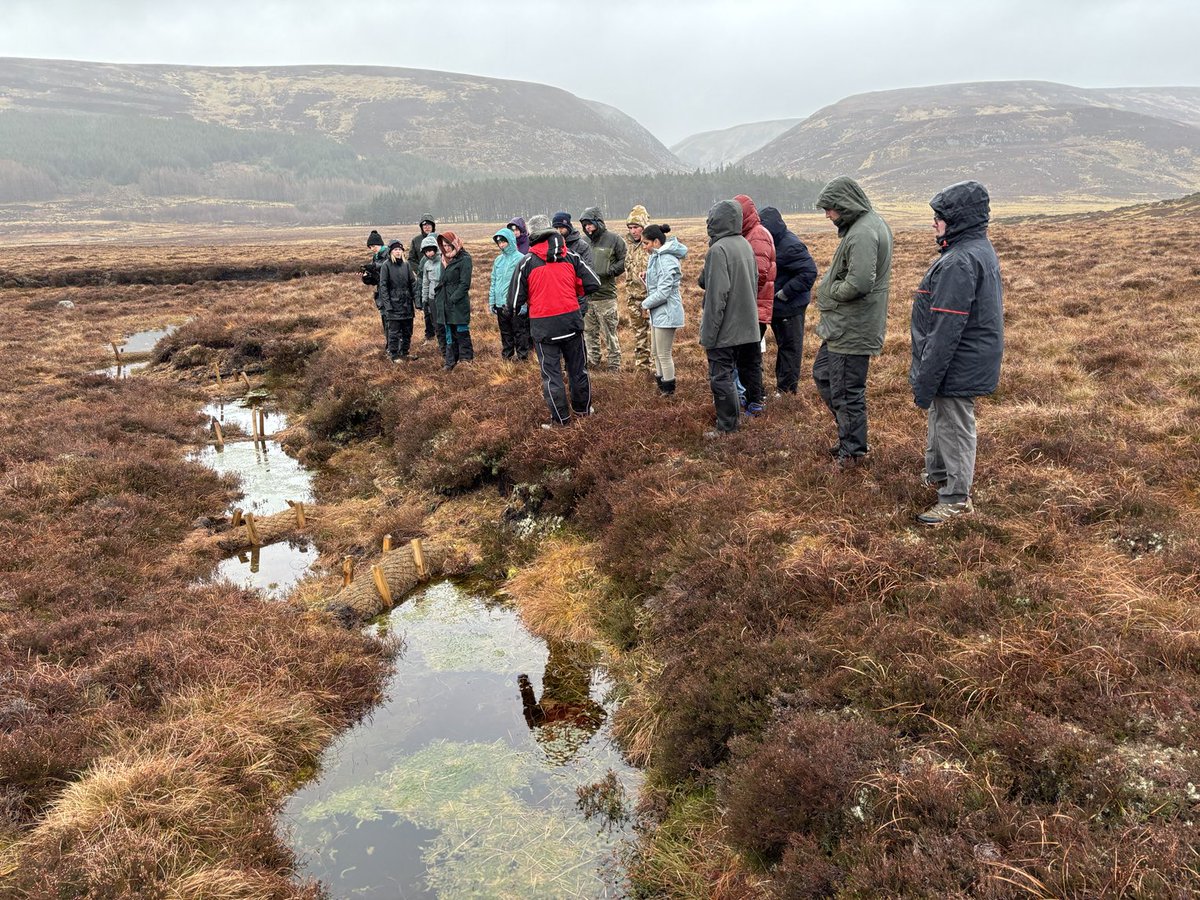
(463, 783)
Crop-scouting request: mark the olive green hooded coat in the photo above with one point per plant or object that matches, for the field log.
(853, 296)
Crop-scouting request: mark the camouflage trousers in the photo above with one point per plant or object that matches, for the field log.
(639, 324)
(601, 320)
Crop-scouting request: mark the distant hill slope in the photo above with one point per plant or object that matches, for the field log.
(1025, 139)
(1177, 208)
(136, 138)
(713, 149)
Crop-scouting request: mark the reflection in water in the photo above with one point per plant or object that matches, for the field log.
(566, 717)
(269, 476)
(274, 570)
(452, 753)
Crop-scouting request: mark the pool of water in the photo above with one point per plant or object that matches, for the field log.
(269, 476)
(273, 570)
(237, 413)
(463, 782)
(144, 341)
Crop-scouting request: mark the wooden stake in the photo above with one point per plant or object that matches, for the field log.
(255, 558)
(262, 424)
(299, 507)
(116, 351)
(254, 425)
(237, 518)
(418, 553)
(242, 375)
(347, 571)
(220, 437)
(251, 530)
(387, 543)
(217, 372)
(381, 584)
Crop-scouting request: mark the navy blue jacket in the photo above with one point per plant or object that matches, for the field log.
(796, 272)
(958, 311)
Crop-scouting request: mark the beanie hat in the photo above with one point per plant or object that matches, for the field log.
(394, 244)
(374, 240)
(561, 220)
(638, 216)
(539, 225)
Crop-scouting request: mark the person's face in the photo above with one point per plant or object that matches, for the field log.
(448, 251)
(430, 252)
(562, 229)
(832, 215)
(397, 254)
(589, 229)
(427, 228)
(502, 244)
(514, 229)
(651, 245)
(939, 226)
(635, 231)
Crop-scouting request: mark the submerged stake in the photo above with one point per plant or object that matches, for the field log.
(217, 431)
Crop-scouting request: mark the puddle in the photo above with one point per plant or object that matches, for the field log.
(238, 414)
(463, 782)
(269, 476)
(273, 570)
(123, 371)
(138, 344)
(144, 341)
(269, 479)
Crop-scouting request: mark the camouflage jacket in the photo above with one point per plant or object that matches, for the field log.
(635, 270)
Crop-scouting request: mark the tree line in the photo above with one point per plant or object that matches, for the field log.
(664, 194)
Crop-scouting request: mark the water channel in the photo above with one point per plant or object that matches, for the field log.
(463, 782)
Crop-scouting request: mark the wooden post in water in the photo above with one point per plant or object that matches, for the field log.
(116, 351)
(251, 531)
(217, 431)
(299, 515)
(347, 571)
(217, 372)
(381, 584)
(262, 423)
(387, 543)
(242, 375)
(418, 553)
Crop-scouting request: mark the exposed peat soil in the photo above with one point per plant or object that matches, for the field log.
(828, 700)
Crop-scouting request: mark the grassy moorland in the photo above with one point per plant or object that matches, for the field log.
(829, 700)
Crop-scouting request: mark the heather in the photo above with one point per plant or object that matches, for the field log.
(829, 699)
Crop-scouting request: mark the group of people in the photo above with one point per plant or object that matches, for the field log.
(554, 290)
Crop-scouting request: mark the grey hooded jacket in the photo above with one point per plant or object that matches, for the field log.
(853, 295)
(730, 281)
(958, 311)
(431, 271)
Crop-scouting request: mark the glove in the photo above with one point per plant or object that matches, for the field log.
(524, 310)
(779, 296)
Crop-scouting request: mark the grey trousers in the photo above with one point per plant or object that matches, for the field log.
(950, 450)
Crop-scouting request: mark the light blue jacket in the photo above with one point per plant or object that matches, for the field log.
(502, 270)
(663, 274)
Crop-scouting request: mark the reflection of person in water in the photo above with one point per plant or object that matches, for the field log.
(566, 716)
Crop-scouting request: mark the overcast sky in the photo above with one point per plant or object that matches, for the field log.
(677, 67)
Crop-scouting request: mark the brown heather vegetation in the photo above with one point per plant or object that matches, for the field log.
(830, 700)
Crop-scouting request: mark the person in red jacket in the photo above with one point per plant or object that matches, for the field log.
(764, 258)
(550, 287)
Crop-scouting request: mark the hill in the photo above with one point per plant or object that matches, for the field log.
(713, 149)
(280, 143)
(1177, 208)
(1032, 140)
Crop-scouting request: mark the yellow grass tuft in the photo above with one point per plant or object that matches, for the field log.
(558, 593)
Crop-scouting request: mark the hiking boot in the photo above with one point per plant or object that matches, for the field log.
(847, 463)
(754, 410)
(941, 513)
(715, 434)
(928, 482)
(667, 387)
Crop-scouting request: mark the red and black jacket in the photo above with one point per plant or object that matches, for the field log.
(549, 285)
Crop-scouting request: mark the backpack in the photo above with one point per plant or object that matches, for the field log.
(370, 273)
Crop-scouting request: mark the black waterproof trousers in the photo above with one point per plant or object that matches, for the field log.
(746, 360)
(551, 357)
(842, 383)
(789, 338)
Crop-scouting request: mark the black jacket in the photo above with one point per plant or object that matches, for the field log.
(397, 289)
(795, 270)
(958, 311)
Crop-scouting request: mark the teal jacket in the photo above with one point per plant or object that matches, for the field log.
(853, 296)
(502, 270)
